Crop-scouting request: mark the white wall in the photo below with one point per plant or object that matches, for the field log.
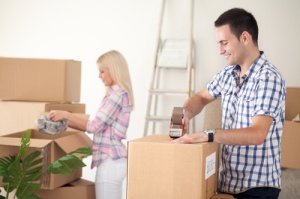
(84, 29)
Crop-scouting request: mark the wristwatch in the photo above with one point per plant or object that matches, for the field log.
(210, 133)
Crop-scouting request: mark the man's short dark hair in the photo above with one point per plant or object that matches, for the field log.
(239, 20)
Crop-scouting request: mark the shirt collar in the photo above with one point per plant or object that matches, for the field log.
(254, 67)
(114, 88)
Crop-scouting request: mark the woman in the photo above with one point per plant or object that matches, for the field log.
(109, 125)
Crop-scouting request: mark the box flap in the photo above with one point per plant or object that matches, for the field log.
(74, 141)
(82, 182)
(7, 141)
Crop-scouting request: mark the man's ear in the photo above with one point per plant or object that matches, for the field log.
(245, 37)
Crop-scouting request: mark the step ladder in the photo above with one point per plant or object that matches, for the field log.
(173, 55)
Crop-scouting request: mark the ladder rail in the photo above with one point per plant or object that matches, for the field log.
(158, 48)
(155, 90)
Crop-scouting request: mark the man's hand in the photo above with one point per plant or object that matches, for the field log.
(191, 138)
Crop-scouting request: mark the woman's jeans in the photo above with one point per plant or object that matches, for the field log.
(109, 178)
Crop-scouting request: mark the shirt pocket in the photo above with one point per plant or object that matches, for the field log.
(246, 107)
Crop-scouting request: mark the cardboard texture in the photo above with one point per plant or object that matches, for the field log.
(291, 131)
(18, 116)
(222, 196)
(160, 169)
(213, 115)
(53, 147)
(43, 80)
(79, 189)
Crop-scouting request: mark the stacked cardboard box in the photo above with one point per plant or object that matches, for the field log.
(291, 130)
(30, 88)
(159, 169)
(79, 189)
(43, 80)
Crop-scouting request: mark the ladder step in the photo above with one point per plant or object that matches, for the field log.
(158, 118)
(174, 53)
(172, 67)
(168, 92)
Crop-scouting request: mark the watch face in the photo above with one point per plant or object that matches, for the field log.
(210, 134)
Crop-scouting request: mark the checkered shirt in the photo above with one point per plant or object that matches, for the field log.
(261, 91)
(110, 125)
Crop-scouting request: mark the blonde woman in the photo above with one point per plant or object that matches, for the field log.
(109, 125)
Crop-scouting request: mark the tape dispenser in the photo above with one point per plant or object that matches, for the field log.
(177, 123)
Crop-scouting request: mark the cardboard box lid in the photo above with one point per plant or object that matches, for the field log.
(71, 142)
(153, 138)
(67, 141)
(163, 139)
(7, 141)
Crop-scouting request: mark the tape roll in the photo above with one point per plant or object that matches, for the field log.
(178, 115)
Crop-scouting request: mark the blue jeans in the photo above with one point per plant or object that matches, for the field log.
(259, 193)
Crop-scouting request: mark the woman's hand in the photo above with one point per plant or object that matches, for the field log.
(56, 115)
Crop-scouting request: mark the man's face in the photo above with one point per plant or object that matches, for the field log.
(229, 45)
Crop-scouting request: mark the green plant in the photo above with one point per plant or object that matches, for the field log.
(22, 173)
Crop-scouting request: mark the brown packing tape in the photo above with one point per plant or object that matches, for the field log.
(177, 115)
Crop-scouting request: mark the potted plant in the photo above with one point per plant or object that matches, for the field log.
(22, 173)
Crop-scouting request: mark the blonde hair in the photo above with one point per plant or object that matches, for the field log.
(117, 65)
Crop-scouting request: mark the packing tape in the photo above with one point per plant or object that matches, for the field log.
(177, 123)
(178, 115)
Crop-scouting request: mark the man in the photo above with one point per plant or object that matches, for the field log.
(253, 107)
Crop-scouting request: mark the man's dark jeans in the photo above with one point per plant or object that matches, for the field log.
(259, 193)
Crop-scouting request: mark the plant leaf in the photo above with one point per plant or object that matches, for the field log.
(25, 142)
(67, 164)
(21, 174)
(5, 162)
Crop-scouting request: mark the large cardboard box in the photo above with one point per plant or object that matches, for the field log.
(52, 147)
(16, 116)
(44, 80)
(79, 189)
(291, 131)
(160, 169)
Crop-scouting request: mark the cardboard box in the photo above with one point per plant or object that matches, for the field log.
(222, 196)
(17, 116)
(160, 169)
(53, 147)
(79, 189)
(43, 80)
(291, 131)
